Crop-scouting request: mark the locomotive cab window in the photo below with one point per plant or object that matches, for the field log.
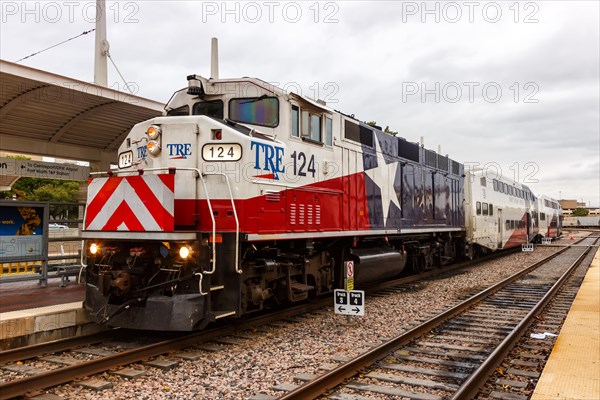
(295, 121)
(328, 131)
(263, 111)
(183, 110)
(311, 126)
(212, 108)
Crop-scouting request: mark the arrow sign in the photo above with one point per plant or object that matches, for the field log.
(40, 169)
(355, 299)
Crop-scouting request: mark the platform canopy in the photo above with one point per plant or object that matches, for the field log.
(46, 114)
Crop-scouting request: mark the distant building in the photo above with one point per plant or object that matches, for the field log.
(569, 205)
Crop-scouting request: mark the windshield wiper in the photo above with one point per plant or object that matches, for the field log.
(264, 96)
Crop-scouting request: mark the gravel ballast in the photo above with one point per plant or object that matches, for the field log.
(277, 353)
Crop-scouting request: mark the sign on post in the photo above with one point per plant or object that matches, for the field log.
(349, 302)
(349, 275)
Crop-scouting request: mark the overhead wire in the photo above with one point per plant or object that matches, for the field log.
(53, 46)
(119, 72)
(75, 37)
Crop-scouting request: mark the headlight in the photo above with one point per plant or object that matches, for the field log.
(153, 132)
(184, 252)
(94, 248)
(153, 147)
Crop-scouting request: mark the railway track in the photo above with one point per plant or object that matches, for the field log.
(69, 359)
(516, 377)
(452, 355)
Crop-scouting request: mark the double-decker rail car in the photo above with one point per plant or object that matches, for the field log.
(500, 214)
(550, 216)
(245, 197)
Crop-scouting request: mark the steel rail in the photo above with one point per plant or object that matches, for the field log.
(15, 388)
(479, 377)
(321, 384)
(27, 352)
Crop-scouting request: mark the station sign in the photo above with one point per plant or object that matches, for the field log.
(15, 167)
(349, 302)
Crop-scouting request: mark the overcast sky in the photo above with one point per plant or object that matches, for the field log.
(507, 84)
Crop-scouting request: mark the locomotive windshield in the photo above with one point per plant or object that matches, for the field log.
(212, 108)
(262, 111)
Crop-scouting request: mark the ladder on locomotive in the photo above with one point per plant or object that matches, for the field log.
(220, 287)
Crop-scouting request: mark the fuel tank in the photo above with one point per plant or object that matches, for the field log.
(377, 264)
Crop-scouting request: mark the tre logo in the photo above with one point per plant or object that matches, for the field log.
(179, 150)
(142, 152)
(268, 158)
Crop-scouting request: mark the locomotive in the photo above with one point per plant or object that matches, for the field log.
(244, 197)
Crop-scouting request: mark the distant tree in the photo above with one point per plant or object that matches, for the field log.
(26, 186)
(389, 131)
(51, 190)
(580, 212)
(386, 130)
(61, 191)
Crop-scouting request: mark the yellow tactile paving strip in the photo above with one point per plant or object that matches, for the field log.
(573, 370)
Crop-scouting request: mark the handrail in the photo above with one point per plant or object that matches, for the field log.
(199, 274)
(83, 249)
(210, 209)
(237, 222)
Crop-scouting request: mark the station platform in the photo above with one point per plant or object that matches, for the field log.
(16, 296)
(573, 369)
(30, 313)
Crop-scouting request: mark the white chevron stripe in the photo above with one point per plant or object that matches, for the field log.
(94, 188)
(161, 191)
(125, 192)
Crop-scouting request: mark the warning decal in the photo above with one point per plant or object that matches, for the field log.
(131, 203)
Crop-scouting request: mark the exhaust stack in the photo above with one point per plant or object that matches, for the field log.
(214, 59)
